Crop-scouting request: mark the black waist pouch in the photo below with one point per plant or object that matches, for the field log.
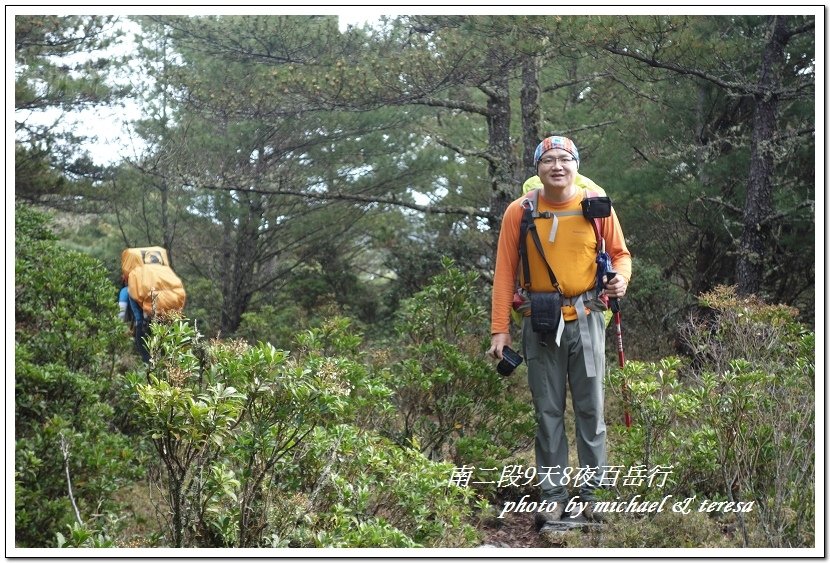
(545, 311)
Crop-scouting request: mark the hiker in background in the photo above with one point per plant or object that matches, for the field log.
(129, 311)
(569, 301)
(152, 291)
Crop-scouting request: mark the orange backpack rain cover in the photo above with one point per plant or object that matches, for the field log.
(151, 280)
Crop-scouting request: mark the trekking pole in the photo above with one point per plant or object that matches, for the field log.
(614, 303)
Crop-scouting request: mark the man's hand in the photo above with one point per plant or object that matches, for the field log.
(497, 343)
(615, 288)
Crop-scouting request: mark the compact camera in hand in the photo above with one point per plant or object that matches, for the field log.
(510, 360)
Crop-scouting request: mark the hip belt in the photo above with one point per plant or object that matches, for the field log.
(578, 303)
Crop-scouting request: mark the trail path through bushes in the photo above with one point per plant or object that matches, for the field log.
(515, 530)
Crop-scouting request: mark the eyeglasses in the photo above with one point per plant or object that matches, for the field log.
(548, 160)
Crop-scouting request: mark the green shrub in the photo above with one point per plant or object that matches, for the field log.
(336, 351)
(256, 447)
(738, 424)
(80, 536)
(357, 489)
(663, 432)
(65, 307)
(31, 224)
(277, 325)
(67, 336)
(451, 402)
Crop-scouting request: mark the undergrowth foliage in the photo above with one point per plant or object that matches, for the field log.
(257, 447)
(451, 402)
(737, 422)
(339, 443)
(69, 456)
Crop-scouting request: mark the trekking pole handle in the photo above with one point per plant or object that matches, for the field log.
(613, 302)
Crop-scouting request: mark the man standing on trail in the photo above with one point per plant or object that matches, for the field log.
(560, 280)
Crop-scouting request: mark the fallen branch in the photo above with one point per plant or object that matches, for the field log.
(65, 452)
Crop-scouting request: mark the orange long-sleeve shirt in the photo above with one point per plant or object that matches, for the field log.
(572, 255)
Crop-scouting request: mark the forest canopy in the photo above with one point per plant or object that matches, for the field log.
(408, 138)
(319, 187)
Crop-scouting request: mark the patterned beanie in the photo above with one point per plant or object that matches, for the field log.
(555, 142)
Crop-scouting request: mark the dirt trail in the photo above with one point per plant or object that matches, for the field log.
(516, 529)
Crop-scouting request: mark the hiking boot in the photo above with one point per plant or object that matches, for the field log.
(591, 515)
(549, 516)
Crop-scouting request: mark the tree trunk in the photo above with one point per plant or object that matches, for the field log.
(703, 241)
(749, 270)
(241, 241)
(531, 118)
(226, 273)
(501, 166)
(166, 230)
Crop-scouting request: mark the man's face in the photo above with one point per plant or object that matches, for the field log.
(557, 168)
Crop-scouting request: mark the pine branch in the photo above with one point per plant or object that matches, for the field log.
(579, 80)
(462, 151)
(452, 104)
(340, 196)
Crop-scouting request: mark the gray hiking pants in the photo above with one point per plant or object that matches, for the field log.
(549, 369)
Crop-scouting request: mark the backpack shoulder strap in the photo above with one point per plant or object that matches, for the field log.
(528, 225)
(533, 197)
(604, 266)
(529, 204)
(596, 222)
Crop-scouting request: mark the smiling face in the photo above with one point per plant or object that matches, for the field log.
(557, 170)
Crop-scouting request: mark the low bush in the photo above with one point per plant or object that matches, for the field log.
(69, 456)
(737, 422)
(256, 447)
(450, 401)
